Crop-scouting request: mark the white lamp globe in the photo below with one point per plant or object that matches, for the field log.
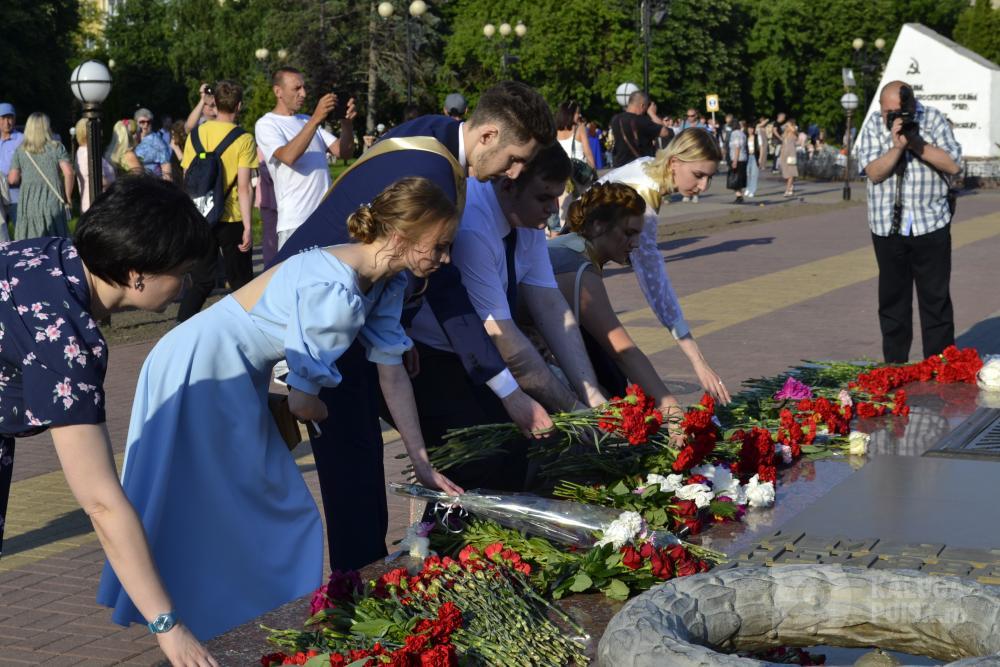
(261, 54)
(489, 30)
(90, 82)
(623, 92)
(282, 54)
(858, 43)
(505, 29)
(418, 8)
(879, 43)
(520, 29)
(849, 101)
(385, 9)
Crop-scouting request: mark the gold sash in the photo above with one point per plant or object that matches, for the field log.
(429, 144)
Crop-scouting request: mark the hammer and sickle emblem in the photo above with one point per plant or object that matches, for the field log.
(914, 67)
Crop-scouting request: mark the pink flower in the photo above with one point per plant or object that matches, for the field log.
(28, 358)
(793, 390)
(39, 336)
(35, 261)
(32, 420)
(55, 272)
(97, 350)
(67, 402)
(72, 351)
(22, 309)
(36, 307)
(52, 332)
(845, 398)
(64, 388)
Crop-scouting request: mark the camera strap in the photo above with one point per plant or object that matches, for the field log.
(897, 205)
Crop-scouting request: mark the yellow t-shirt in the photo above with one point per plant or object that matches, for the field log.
(241, 153)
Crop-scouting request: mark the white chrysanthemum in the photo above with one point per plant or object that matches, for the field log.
(699, 493)
(989, 375)
(759, 494)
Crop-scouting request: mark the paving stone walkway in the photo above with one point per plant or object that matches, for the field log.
(796, 282)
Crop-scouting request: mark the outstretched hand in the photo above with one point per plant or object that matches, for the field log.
(712, 383)
(432, 479)
(183, 650)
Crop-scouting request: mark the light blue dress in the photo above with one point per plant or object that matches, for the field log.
(233, 529)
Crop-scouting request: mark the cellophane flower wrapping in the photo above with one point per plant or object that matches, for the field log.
(573, 524)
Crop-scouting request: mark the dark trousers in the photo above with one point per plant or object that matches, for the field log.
(238, 267)
(348, 457)
(447, 399)
(905, 261)
(6, 472)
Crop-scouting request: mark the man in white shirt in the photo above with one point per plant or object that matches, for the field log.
(500, 232)
(295, 148)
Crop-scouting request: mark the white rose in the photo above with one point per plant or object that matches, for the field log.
(760, 494)
(668, 484)
(622, 530)
(857, 443)
(699, 493)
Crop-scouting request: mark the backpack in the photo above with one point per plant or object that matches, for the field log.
(203, 179)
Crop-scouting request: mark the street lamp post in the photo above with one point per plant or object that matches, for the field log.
(91, 84)
(505, 29)
(416, 9)
(849, 101)
(623, 92)
(868, 60)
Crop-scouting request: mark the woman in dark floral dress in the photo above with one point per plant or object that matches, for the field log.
(131, 249)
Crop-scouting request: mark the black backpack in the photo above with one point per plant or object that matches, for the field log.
(204, 180)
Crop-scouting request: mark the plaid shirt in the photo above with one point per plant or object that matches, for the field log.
(925, 190)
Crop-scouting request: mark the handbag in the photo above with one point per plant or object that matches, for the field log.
(582, 174)
(288, 425)
(791, 160)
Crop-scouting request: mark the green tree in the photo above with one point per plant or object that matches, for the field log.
(978, 29)
(36, 49)
(574, 49)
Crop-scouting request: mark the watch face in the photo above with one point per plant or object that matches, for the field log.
(163, 623)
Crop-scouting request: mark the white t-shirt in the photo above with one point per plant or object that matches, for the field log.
(478, 253)
(299, 188)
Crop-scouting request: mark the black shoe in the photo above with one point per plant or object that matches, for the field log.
(738, 200)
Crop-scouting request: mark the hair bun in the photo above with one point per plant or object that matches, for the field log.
(361, 225)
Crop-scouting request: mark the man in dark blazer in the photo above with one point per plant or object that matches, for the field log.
(509, 125)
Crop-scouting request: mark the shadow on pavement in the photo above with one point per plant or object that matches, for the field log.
(984, 336)
(725, 246)
(71, 524)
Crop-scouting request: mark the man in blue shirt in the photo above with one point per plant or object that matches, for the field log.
(501, 253)
(10, 139)
(908, 159)
(506, 129)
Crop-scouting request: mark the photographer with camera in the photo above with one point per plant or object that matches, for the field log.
(295, 147)
(909, 153)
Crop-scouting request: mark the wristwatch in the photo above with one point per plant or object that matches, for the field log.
(162, 623)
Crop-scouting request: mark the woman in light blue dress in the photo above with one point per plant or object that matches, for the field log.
(233, 529)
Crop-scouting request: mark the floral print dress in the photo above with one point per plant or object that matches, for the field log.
(53, 357)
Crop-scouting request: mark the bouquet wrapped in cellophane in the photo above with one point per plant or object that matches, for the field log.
(572, 524)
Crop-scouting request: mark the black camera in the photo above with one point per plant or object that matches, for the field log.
(907, 112)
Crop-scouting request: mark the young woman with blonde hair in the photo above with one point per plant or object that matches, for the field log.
(226, 511)
(121, 150)
(686, 166)
(41, 167)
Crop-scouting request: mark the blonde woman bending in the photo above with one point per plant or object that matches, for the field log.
(121, 153)
(686, 165)
(41, 167)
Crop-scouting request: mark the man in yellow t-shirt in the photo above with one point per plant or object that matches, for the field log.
(232, 231)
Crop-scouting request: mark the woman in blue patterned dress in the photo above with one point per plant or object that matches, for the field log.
(232, 526)
(131, 249)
